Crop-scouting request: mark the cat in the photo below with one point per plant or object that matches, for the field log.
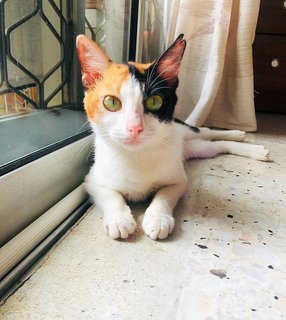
(140, 148)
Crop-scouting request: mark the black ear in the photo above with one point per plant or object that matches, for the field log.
(168, 65)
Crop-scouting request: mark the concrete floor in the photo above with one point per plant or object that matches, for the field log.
(225, 260)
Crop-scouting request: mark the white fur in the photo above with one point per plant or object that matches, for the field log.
(153, 164)
(133, 175)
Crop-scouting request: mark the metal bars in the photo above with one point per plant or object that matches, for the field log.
(43, 10)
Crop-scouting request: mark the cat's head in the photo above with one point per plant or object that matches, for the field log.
(129, 104)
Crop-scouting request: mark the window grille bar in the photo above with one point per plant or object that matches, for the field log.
(133, 29)
(7, 47)
(64, 40)
(90, 28)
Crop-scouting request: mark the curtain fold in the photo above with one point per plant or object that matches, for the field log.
(216, 76)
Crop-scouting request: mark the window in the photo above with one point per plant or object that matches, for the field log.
(45, 142)
(39, 103)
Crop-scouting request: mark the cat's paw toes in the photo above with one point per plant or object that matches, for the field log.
(158, 226)
(260, 153)
(120, 224)
(237, 135)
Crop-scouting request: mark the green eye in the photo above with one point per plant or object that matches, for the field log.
(112, 103)
(154, 103)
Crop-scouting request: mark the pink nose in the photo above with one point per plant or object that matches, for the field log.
(135, 130)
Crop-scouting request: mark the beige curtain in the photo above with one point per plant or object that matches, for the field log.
(216, 77)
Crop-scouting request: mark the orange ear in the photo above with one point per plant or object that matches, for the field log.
(168, 65)
(92, 59)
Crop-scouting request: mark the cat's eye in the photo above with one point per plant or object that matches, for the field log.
(112, 103)
(154, 103)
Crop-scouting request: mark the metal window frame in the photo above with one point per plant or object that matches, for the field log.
(135, 9)
(72, 93)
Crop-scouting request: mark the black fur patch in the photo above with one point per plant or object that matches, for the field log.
(195, 129)
(141, 77)
(153, 84)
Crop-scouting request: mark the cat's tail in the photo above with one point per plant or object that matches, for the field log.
(207, 134)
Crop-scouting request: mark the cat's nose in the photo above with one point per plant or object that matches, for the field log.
(135, 130)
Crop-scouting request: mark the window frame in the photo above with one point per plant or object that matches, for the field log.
(72, 94)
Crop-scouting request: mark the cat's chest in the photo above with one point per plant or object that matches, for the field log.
(136, 175)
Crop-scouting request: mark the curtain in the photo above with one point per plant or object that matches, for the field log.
(216, 76)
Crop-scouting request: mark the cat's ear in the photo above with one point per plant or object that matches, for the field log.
(168, 65)
(92, 59)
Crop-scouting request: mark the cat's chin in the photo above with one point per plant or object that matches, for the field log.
(131, 145)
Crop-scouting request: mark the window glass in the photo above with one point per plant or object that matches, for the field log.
(40, 89)
(153, 27)
(36, 105)
(107, 22)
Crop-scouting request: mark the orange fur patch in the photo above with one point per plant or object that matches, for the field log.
(110, 84)
(142, 67)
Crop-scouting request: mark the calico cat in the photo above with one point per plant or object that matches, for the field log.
(140, 148)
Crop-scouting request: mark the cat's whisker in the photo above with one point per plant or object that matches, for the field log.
(163, 80)
(165, 70)
(156, 83)
(81, 150)
(149, 76)
(159, 88)
(90, 152)
(153, 69)
(104, 134)
(89, 142)
(86, 123)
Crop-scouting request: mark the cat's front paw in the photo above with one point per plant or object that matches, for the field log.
(119, 224)
(158, 225)
(237, 135)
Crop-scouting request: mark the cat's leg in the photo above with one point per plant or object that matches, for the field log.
(229, 135)
(117, 220)
(158, 221)
(208, 149)
(208, 134)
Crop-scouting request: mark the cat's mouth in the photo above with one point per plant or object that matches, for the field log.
(131, 143)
